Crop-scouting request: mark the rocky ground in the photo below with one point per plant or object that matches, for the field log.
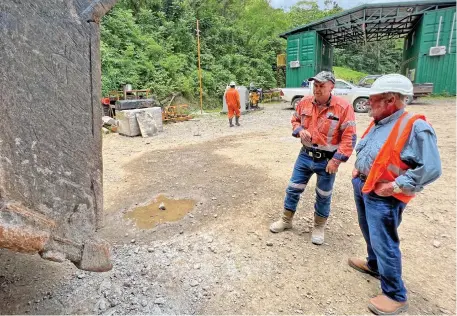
(220, 258)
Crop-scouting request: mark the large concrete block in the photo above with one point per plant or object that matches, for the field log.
(50, 138)
(128, 124)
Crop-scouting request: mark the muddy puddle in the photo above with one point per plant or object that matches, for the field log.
(150, 215)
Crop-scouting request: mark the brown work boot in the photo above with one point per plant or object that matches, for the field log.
(317, 236)
(383, 305)
(362, 266)
(285, 222)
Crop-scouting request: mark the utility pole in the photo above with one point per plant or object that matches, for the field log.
(199, 69)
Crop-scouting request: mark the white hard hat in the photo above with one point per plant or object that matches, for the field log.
(392, 83)
(232, 83)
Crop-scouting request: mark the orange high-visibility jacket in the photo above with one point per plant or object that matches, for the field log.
(331, 129)
(388, 165)
(232, 97)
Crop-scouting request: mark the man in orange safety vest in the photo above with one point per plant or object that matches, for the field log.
(325, 124)
(396, 157)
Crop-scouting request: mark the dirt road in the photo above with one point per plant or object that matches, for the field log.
(220, 258)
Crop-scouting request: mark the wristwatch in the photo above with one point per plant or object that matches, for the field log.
(397, 189)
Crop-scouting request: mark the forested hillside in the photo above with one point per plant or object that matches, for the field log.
(152, 44)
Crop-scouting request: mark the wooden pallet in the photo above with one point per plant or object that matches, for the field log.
(176, 113)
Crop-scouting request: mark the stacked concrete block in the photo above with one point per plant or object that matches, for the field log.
(128, 122)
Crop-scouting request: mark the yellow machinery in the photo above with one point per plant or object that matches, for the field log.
(255, 95)
(254, 98)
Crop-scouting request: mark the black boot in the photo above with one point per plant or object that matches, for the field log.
(237, 121)
(230, 121)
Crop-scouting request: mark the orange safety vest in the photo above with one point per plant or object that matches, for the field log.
(388, 164)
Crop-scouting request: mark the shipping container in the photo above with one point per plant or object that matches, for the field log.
(307, 54)
(422, 64)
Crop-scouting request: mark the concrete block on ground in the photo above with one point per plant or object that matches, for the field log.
(128, 123)
(147, 124)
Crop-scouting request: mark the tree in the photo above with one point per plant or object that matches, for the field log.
(373, 57)
(152, 44)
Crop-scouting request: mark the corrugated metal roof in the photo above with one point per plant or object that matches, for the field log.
(371, 22)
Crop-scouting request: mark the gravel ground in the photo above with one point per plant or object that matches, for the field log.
(220, 258)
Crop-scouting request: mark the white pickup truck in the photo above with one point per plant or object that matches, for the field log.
(357, 96)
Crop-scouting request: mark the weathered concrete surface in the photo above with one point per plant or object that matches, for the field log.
(50, 139)
(128, 123)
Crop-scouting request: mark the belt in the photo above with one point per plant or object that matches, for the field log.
(363, 177)
(317, 154)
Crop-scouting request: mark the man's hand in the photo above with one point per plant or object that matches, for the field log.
(355, 173)
(384, 189)
(305, 136)
(332, 166)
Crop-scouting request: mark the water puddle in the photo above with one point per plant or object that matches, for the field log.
(150, 215)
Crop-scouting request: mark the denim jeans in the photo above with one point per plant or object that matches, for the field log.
(304, 168)
(379, 218)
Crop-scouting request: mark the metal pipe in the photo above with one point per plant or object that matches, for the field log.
(439, 31)
(97, 9)
(452, 33)
(298, 53)
(199, 68)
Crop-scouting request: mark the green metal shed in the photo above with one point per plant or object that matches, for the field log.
(430, 51)
(307, 54)
(429, 29)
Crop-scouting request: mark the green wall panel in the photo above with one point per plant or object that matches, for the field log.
(422, 68)
(301, 47)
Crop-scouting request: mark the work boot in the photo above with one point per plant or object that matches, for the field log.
(237, 121)
(317, 237)
(362, 266)
(284, 223)
(383, 305)
(230, 121)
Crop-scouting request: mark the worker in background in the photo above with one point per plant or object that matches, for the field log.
(326, 126)
(232, 97)
(396, 157)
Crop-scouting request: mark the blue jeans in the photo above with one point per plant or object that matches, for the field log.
(304, 168)
(379, 218)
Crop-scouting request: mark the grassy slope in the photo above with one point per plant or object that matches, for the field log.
(348, 74)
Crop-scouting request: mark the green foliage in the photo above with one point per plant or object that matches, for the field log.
(348, 74)
(152, 44)
(372, 58)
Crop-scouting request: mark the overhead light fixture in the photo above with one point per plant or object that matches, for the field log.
(410, 9)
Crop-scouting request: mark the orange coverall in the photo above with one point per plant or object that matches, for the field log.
(232, 97)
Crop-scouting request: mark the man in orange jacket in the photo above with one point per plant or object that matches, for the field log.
(232, 97)
(396, 157)
(326, 126)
